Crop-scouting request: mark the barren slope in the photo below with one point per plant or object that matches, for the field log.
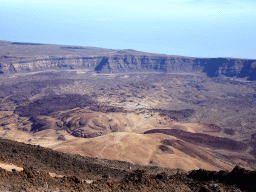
(143, 108)
(41, 169)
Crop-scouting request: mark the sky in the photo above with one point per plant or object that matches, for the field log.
(196, 28)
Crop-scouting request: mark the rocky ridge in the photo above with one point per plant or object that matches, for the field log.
(41, 57)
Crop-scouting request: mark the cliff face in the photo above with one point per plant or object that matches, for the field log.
(14, 64)
(212, 67)
(133, 63)
(35, 58)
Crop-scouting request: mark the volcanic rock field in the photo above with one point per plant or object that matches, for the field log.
(173, 114)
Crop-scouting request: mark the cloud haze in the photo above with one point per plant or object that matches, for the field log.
(197, 28)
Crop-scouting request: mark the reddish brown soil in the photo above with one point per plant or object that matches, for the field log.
(165, 148)
(191, 150)
(203, 139)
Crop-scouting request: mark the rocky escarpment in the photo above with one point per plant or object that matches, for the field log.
(39, 58)
(15, 64)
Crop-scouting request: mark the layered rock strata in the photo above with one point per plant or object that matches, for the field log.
(114, 61)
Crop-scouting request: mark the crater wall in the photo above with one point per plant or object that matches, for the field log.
(28, 57)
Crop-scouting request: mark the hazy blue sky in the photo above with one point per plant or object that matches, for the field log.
(199, 28)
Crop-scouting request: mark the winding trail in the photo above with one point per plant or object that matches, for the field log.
(247, 152)
(117, 138)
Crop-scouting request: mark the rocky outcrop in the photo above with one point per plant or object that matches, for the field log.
(229, 67)
(14, 64)
(114, 61)
(213, 67)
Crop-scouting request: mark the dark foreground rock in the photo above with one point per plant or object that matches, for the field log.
(77, 173)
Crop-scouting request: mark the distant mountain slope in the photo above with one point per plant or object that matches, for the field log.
(24, 57)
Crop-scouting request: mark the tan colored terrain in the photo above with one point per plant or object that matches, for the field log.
(123, 138)
(144, 108)
(137, 149)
